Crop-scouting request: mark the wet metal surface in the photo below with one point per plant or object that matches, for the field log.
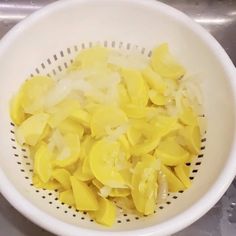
(219, 18)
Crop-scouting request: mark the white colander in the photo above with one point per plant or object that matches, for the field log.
(46, 42)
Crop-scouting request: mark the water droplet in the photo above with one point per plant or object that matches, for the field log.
(232, 213)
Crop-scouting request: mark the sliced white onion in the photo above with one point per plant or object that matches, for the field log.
(58, 93)
(104, 191)
(162, 187)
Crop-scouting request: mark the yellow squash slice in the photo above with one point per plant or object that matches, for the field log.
(182, 172)
(34, 91)
(63, 177)
(171, 153)
(85, 198)
(42, 163)
(16, 110)
(50, 185)
(192, 138)
(106, 213)
(90, 58)
(136, 86)
(144, 186)
(154, 80)
(174, 184)
(67, 197)
(31, 130)
(164, 63)
(69, 153)
(106, 116)
(104, 156)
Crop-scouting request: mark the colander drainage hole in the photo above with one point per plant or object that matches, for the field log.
(42, 65)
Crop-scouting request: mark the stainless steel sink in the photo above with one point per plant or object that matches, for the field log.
(219, 18)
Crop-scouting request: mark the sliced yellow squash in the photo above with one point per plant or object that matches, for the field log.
(16, 110)
(134, 111)
(119, 192)
(171, 153)
(106, 213)
(33, 93)
(63, 177)
(192, 138)
(144, 186)
(42, 162)
(103, 158)
(85, 198)
(154, 80)
(136, 86)
(164, 63)
(31, 130)
(182, 172)
(50, 185)
(69, 154)
(174, 184)
(106, 116)
(157, 98)
(89, 58)
(81, 116)
(67, 197)
(80, 175)
(70, 126)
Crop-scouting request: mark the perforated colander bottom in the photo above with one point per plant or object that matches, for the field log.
(53, 66)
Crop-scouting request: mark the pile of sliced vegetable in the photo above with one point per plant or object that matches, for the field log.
(116, 129)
